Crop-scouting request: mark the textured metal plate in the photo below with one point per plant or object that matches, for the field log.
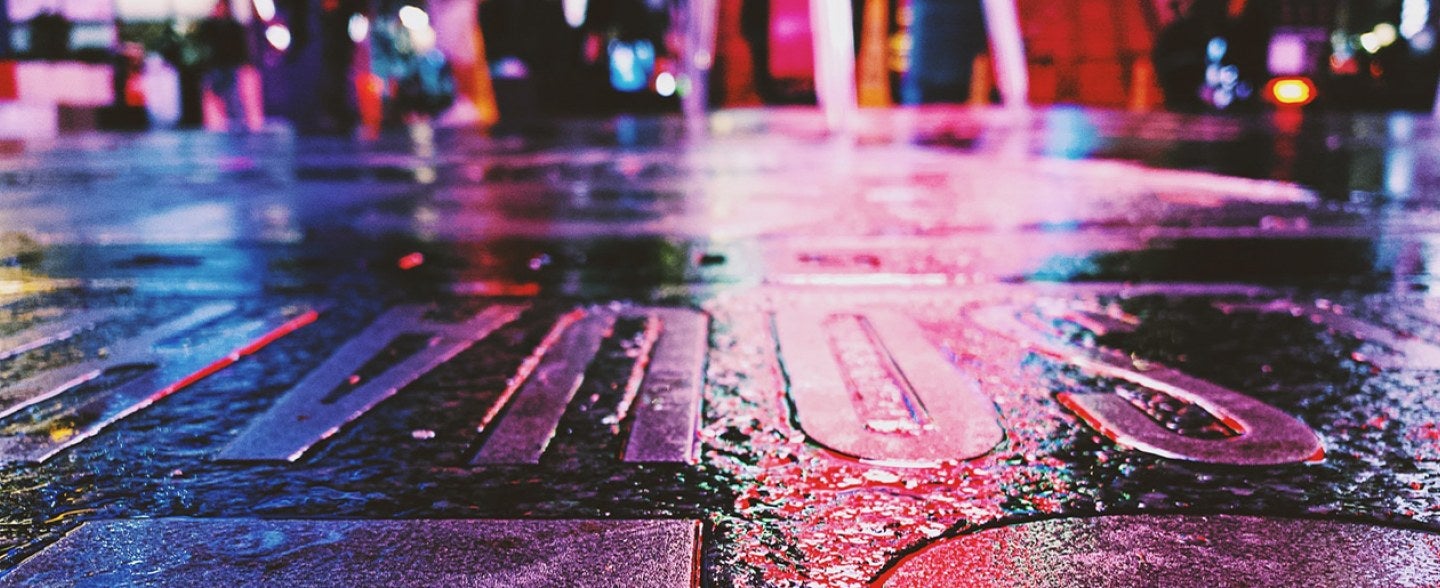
(1120, 271)
(307, 414)
(136, 350)
(403, 553)
(52, 332)
(168, 369)
(1176, 550)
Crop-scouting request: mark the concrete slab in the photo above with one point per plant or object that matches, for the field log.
(399, 553)
(1176, 550)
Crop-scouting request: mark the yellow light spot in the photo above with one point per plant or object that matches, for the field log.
(69, 514)
(1386, 34)
(61, 433)
(1292, 91)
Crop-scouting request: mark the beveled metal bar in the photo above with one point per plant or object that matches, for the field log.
(667, 409)
(531, 416)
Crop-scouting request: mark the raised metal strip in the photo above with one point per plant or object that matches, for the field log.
(1100, 323)
(1183, 550)
(175, 368)
(302, 417)
(960, 421)
(401, 554)
(52, 332)
(532, 414)
(667, 411)
(136, 350)
(1265, 435)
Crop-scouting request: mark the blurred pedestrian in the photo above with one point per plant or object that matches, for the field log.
(946, 37)
(1180, 49)
(427, 87)
(222, 38)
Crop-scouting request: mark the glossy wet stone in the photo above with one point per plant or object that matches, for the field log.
(236, 552)
(1176, 550)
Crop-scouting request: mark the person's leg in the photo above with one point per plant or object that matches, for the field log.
(946, 37)
(223, 81)
(234, 104)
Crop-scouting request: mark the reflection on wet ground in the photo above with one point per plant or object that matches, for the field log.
(1170, 262)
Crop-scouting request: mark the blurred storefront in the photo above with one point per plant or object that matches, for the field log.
(84, 64)
(131, 64)
(1216, 55)
(335, 65)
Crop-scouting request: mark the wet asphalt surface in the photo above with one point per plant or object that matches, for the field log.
(1171, 221)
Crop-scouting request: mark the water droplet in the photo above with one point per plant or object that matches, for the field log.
(1196, 539)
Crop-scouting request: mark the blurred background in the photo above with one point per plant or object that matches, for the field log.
(359, 66)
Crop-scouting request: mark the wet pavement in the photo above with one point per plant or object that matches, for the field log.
(1017, 345)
